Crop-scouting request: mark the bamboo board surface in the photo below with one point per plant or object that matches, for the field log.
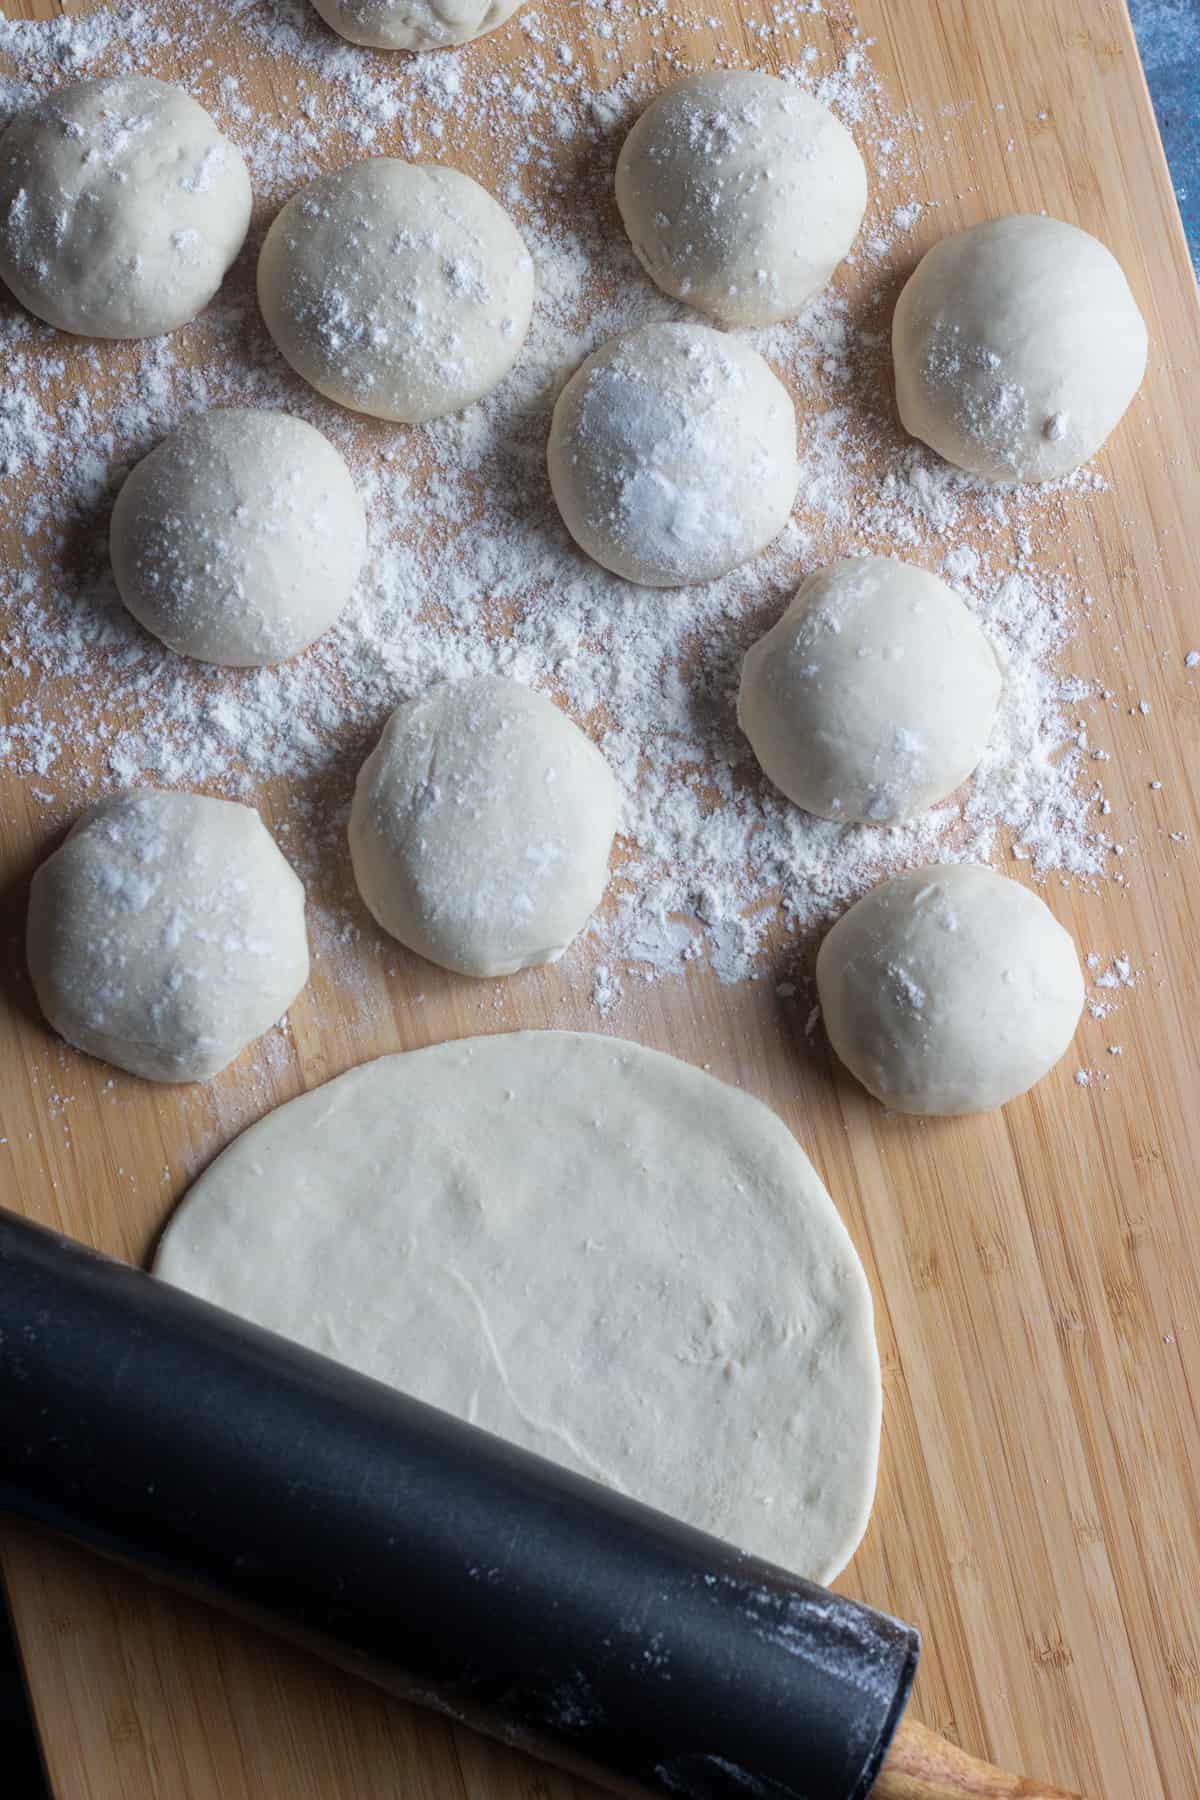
(1036, 1272)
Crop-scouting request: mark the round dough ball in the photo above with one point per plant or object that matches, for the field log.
(590, 1249)
(121, 207)
(239, 539)
(873, 696)
(415, 24)
(1018, 346)
(673, 455)
(741, 194)
(166, 933)
(481, 827)
(398, 289)
(949, 990)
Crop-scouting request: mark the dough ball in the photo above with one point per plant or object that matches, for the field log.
(590, 1249)
(239, 539)
(398, 289)
(873, 696)
(1018, 345)
(949, 990)
(415, 24)
(673, 455)
(121, 207)
(741, 194)
(482, 826)
(166, 933)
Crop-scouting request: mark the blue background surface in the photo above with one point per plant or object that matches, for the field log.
(1168, 34)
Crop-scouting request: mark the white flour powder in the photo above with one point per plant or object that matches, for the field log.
(471, 571)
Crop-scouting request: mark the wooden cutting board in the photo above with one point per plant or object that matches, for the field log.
(1035, 1271)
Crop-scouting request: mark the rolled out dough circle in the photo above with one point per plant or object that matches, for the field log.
(589, 1248)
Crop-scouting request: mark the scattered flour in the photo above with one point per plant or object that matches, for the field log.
(470, 570)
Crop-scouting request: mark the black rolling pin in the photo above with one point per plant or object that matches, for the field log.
(436, 1560)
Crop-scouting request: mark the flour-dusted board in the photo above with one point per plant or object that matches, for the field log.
(1036, 1272)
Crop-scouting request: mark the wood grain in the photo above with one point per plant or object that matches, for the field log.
(1036, 1271)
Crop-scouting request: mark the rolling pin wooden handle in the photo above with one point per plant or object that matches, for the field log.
(920, 1765)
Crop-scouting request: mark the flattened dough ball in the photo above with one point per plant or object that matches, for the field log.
(121, 207)
(741, 194)
(398, 289)
(949, 990)
(482, 826)
(415, 24)
(166, 933)
(673, 455)
(873, 696)
(1018, 346)
(591, 1249)
(239, 539)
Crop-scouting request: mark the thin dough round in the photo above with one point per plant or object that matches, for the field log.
(949, 990)
(1018, 346)
(239, 539)
(874, 695)
(589, 1248)
(673, 454)
(121, 207)
(401, 290)
(415, 24)
(166, 933)
(741, 194)
(482, 826)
